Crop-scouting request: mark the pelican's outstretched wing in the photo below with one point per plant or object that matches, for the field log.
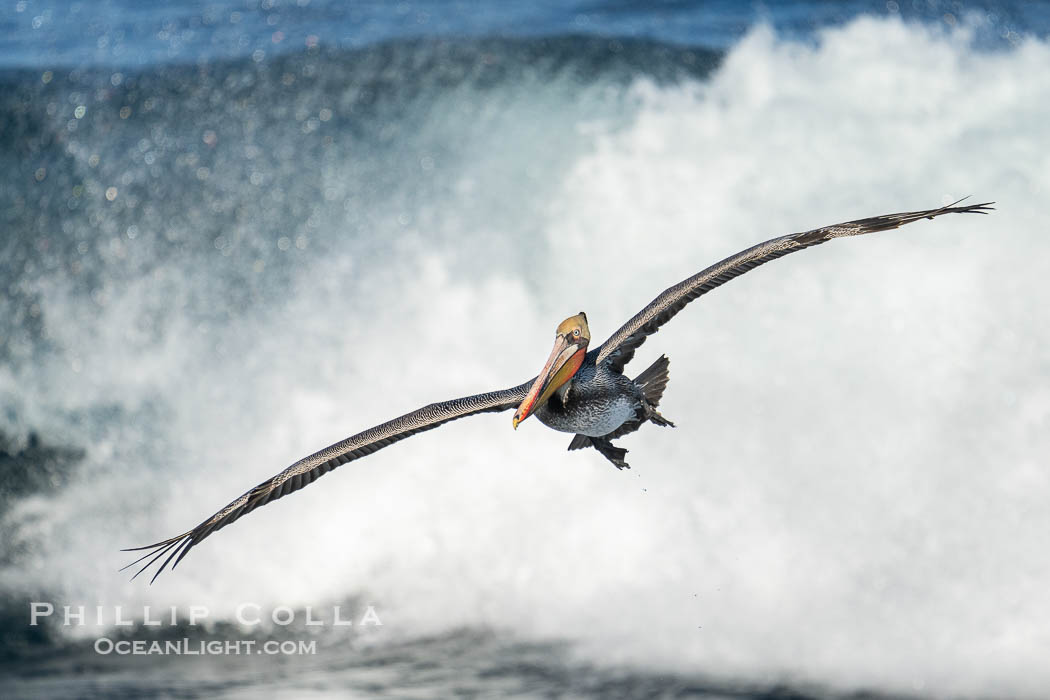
(310, 468)
(619, 348)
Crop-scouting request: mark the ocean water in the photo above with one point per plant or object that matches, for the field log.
(234, 233)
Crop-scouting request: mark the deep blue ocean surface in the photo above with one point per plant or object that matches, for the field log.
(232, 233)
(127, 33)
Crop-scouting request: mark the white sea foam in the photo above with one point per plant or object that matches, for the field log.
(856, 491)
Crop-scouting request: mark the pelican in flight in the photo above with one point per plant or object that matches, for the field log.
(580, 390)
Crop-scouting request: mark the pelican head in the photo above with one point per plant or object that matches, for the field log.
(570, 347)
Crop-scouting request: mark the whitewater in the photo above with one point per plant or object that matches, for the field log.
(262, 260)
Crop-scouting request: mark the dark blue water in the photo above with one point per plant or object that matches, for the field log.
(126, 33)
(234, 232)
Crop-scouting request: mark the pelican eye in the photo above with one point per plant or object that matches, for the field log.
(576, 332)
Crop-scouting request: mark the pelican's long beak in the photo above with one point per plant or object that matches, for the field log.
(565, 359)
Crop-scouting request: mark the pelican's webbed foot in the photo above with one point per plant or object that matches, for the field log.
(611, 452)
(654, 417)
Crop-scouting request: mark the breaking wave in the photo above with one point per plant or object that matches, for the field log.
(213, 270)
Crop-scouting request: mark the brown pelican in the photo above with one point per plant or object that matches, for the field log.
(580, 390)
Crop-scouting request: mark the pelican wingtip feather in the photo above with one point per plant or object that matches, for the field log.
(178, 545)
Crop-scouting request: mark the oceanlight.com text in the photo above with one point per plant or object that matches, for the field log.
(214, 647)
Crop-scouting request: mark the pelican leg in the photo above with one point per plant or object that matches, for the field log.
(611, 452)
(656, 417)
